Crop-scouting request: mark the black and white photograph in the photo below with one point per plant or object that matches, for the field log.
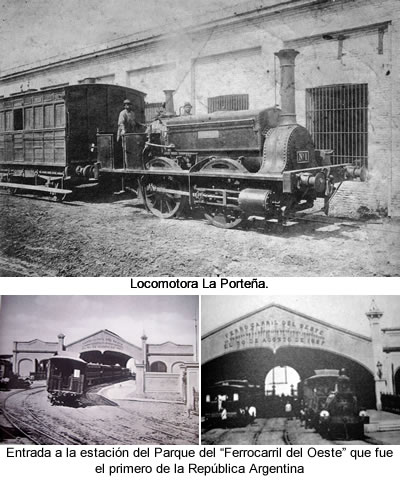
(300, 370)
(99, 370)
(199, 138)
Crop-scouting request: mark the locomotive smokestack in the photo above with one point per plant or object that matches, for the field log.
(169, 102)
(288, 97)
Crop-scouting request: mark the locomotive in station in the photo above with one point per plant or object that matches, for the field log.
(331, 405)
(233, 165)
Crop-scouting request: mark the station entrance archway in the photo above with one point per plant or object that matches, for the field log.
(254, 364)
(249, 347)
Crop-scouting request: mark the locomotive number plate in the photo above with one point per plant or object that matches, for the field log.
(208, 134)
(303, 156)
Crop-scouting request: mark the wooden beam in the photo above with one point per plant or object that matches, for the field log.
(38, 188)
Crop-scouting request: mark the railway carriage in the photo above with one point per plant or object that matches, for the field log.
(47, 136)
(237, 397)
(233, 165)
(69, 378)
(6, 373)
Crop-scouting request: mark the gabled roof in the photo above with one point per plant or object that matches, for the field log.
(289, 310)
(106, 331)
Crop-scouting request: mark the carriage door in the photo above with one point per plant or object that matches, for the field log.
(105, 150)
(133, 148)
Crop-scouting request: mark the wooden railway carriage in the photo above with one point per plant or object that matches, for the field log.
(69, 378)
(233, 165)
(65, 379)
(47, 136)
(6, 373)
(235, 396)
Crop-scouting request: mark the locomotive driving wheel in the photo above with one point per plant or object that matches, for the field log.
(224, 216)
(162, 203)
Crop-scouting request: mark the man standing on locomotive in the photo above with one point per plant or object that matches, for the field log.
(126, 120)
(187, 109)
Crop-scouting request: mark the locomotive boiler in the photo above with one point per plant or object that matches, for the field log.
(233, 164)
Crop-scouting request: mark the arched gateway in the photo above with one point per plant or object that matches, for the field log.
(250, 346)
(103, 347)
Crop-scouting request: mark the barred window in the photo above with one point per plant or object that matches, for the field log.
(337, 118)
(228, 103)
(150, 110)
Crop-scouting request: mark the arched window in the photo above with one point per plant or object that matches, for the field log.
(158, 367)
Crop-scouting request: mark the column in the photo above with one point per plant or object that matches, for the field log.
(61, 347)
(140, 379)
(374, 316)
(192, 385)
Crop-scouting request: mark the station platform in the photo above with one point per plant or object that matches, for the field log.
(382, 421)
(383, 427)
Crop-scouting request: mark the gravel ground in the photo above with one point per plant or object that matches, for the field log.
(102, 421)
(113, 235)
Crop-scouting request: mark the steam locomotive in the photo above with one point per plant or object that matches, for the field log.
(331, 406)
(233, 165)
(69, 378)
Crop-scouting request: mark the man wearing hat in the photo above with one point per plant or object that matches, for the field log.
(187, 109)
(126, 120)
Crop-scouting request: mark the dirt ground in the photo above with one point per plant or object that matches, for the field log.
(113, 235)
(126, 421)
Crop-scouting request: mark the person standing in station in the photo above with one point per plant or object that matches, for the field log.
(288, 410)
(187, 109)
(126, 120)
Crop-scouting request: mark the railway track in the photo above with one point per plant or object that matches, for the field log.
(165, 432)
(25, 420)
(173, 431)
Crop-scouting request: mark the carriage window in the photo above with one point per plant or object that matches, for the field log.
(235, 397)
(28, 118)
(49, 116)
(9, 117)
(208, 399)
(77, 373)
(18, 119)
(60, 115)
(38, 117)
